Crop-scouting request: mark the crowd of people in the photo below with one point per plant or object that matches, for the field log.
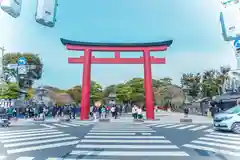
(104, 111)
(39, 112)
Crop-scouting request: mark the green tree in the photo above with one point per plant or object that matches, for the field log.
(75, 93)
(137, 85)
(11, 91)
(96, 91)
(123, 93)
(209, 83)
(109, 89)
(221, 77)
(192, 83)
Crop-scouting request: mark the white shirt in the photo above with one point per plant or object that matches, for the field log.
(139, 111)
(134, 110)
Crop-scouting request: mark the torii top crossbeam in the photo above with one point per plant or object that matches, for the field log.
(124, 47)
(116, 48)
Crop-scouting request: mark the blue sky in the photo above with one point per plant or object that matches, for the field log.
(193, 25)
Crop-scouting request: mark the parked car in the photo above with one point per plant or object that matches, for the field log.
(228, 120)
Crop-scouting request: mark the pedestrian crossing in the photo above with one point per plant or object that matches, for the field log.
(217, 142)
(121, 140)
(19, 141)
(67, 124)
(181, 126)
(49, 158)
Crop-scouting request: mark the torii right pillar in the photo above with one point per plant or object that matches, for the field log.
(149, 102)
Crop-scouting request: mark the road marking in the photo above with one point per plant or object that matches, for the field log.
(29, 135)
(145, 134)
(73, 159)
(219, 140)
(25, 158)
(127, 146)
(121, 131)
(37, 131)
(150, 125)
(33, 138)
(162, 125)
(217, 144)
(82, 123)
(128, 153)
(18, 131)
(126, 137)
(109, 128)
(186, 127)
(225, 134)
(222, 137)
(92, 133)
(38, 142)
(71, 124)
(123, 141)
(46, 125)
(199, 128)
(34, 148)
(2, 157)
(209, 130)
(212, 150)
(173, 126)
(60, 125)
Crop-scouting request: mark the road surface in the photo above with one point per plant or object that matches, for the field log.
(117, 140)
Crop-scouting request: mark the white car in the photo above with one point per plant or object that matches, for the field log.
(228, 120)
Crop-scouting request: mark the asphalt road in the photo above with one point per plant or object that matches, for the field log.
(122, 141)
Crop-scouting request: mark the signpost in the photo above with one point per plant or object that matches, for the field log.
(236, 47)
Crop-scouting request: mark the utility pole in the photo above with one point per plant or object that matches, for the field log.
(2, 49)
(2, 81)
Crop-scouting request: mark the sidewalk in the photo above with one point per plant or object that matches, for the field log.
(170, 117)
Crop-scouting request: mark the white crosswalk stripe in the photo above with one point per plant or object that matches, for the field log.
(67, 124)
(181, 126)
(19, 141)
(119, 140)
(2, 157)
(49, 158)
(221, 143)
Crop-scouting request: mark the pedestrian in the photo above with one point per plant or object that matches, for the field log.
(113, 111)
(134, 112)
(94, 111)
(186, 111)
(116, 112)
(214, 109)
(103, 112)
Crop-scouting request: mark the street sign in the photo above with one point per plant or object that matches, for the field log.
(22, 61)
(12, 66)
(22, 69)
(236, 44)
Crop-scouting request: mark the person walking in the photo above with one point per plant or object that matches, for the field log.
(94, 112)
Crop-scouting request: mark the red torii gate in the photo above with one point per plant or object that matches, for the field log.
(87, 59)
